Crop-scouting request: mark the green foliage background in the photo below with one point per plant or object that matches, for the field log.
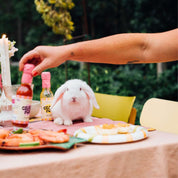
(117, 80)
(22, 23)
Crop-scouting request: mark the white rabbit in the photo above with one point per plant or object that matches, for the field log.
(73, 100)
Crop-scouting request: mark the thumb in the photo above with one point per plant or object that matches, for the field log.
(39, 69)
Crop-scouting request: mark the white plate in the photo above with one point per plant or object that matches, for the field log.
(90, 133)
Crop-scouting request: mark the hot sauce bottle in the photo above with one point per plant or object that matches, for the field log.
(24, 96)
(46, 96)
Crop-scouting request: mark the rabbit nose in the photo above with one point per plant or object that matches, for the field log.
(73, 99)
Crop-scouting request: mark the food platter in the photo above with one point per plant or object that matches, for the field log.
(90, 133)
(32, 139)
(60, 146)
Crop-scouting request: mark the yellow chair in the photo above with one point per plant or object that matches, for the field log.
(115, 107)
(160, 114)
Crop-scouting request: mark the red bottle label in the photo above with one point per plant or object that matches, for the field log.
(22, 111)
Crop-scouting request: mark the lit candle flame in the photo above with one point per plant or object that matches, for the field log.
(4, 36)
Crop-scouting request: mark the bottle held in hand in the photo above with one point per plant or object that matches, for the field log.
(46, 96)
(24, 96)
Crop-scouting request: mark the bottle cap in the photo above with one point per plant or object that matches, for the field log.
(28, 68)
(45, 75)
(27, 73)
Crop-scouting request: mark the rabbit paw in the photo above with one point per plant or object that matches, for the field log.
(58, 121)
(68, 122)
(88, 119)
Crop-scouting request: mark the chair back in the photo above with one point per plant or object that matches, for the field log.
(114, 107)
(160, 114)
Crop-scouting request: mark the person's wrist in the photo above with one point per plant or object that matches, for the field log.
(75, 51)
(71, 51)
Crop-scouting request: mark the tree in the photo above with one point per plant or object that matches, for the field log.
(56, 15)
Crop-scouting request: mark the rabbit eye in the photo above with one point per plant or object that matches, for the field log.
(67, 89)
(80, 89)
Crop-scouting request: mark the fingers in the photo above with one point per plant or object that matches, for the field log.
(30, 57)
(40, 68)
(42, 57)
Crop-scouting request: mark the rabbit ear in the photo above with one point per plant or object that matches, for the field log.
(90, 94)
(58, 94)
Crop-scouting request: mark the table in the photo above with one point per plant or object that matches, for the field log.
(156, 157)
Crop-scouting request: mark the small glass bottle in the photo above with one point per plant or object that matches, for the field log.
(24, 96)
(46, 96)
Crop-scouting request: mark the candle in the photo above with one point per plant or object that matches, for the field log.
(5, 67)
(5, 64)
(5, 100)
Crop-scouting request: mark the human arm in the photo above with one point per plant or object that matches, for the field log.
(115, 49)
(129, 48)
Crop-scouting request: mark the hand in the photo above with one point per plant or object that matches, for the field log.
(44, 57)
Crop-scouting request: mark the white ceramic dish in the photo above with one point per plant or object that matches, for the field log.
(90, 133)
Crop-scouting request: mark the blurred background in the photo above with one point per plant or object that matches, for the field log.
(32, 23)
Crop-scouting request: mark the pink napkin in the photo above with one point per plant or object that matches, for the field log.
(49, 125)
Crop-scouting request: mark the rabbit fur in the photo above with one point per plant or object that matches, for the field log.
(73, 100)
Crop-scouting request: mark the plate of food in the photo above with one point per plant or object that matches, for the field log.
(112, 133)
(37, 139)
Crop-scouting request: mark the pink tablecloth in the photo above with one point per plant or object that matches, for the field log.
(154, 157)
(72, 128)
